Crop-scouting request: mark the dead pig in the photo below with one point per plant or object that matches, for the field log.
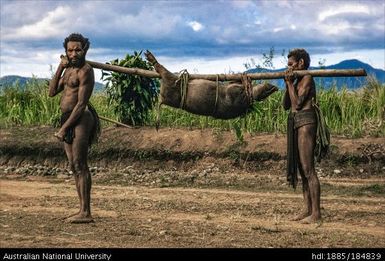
(203, 97)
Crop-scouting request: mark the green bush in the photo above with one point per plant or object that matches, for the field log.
(131, 96)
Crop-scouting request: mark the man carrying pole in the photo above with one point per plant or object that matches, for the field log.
(79, 122)
(303, 120)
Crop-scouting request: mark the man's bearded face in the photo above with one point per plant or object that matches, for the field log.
(75, 53)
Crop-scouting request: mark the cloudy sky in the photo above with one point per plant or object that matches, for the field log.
(201, 36)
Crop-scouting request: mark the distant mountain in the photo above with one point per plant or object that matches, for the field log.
(326, 82)
(339, 82)
(10, 80)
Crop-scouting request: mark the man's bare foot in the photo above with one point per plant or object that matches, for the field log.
(301, 216)
(150, 57)
(80, 219)
(310, 220)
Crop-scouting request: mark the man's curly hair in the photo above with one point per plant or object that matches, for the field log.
(299, 54)
(75, 37)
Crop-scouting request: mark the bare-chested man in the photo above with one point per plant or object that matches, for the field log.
(79, 121)
(300, 96)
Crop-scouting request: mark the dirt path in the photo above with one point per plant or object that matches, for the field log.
(141, 216)
(187, 188)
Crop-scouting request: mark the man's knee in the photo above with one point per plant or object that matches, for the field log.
(307, 170)
(71, 166)
(79, 166)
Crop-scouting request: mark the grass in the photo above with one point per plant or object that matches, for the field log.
(349, 113)
(372, 190)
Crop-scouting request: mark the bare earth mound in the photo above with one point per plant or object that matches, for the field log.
(187, 188)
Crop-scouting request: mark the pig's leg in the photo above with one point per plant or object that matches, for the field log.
(166, 75)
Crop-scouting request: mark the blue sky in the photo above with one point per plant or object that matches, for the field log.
(201, 36)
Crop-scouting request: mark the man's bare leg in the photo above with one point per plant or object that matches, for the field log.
(307, 208)
(84, 216)
(68, 150)
(306, 145)
(315, 193)
(82, 174)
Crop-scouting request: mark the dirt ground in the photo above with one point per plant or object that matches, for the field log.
(187, 188)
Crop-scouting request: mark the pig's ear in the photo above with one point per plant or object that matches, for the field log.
(266, 90)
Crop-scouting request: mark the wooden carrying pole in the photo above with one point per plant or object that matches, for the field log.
(116, 122)
(230, 77)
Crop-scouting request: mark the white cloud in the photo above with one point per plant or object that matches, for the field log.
(27, 63)
(52, 25)
(335, 28)
(278, 29)
(242, 30)
(343, 9)
(201, 65)
(196, 26)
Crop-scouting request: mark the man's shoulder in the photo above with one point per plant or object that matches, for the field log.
(86, 69)
(306, 79)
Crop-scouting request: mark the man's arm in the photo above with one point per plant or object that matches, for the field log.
(86, 85)
(290, 88)
(56, 85)
(304, 90)
(286, 100)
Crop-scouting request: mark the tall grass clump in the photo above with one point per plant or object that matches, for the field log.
(355, 113)
(30, 105)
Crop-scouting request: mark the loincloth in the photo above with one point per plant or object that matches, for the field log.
(305, 117)
(295, 121)
(292, 151)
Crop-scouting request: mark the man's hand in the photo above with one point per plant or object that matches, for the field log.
(60, 135)
(290, 76)
(64, 62)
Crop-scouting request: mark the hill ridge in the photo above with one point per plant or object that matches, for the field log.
(327, 82)
(339, 82)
